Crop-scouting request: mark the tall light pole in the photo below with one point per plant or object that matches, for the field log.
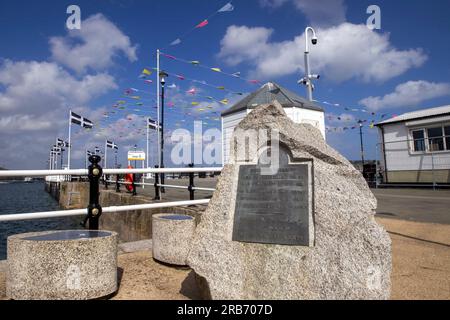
(162, 76)
(308, 76)
(362, 144)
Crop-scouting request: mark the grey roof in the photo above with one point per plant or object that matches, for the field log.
(419, 114)
(269, 92)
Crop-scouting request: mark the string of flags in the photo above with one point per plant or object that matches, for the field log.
(226, 8)
(236, 75)
(204, 83)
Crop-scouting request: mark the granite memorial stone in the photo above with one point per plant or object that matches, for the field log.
(305, 232)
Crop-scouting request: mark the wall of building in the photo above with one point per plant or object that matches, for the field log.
(405, 166)
(229, 122)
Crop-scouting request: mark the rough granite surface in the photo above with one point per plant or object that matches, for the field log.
(61, 269)
(172, 238)
(351, 255)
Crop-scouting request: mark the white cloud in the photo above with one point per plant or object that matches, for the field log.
(408, 94)
(33, 87)
(344, 52)
(34, 106)
(94, 46)
(320, 13)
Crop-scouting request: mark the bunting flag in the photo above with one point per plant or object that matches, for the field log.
(148, 81)
(216, 69)
(147, 72)
(79, 120)
(202, 24)
(195, 62)
(224, 101)
(175, 42)
(192, 91)
(226, 8)
(111, 145)
(180, 77)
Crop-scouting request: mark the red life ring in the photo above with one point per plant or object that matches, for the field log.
(129, 178)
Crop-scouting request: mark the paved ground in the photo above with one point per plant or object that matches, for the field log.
(422, 205)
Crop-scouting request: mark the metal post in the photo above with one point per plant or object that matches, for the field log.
(191, 184)
(147, 155)
(158, 102)
(70, 140)
(94, 208)
(362, 145)
(133, 184)
(162, 135)
(157, 189)
(308, 79)
(106, 153)
(117, 183)
(432, 171)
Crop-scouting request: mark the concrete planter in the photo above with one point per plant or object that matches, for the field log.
(73, 265)
(172, 237)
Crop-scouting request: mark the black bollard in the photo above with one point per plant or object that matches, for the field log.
(117, 183)
(157, 188)
(191, 183)
(163, 180)
(133, 184)
(94, 208)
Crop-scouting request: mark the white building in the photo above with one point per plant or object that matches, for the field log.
(297, 108)
(415, 147)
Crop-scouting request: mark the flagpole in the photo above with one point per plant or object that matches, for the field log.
(147, 141)
(106, 150)
(70, 139)
(158, 104)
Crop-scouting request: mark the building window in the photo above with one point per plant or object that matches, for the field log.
(435, 139)
(419, 140)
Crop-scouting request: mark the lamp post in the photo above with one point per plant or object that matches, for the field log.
(362, 144)
(308, 77)
(162, 76)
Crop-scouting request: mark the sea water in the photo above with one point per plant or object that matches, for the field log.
(21, 197)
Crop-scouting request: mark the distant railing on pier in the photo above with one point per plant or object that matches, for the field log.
(95, 175)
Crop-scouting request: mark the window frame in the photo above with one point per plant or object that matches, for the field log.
(424, 129)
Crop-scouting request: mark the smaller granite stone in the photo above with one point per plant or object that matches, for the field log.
(56, 265)
(172, 237)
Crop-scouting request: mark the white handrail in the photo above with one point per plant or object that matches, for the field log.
(78, 212)
(84, 172)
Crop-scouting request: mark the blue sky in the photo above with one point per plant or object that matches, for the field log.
(45, 69)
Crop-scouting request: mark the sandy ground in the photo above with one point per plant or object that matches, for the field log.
(421, 259)
(421, 267)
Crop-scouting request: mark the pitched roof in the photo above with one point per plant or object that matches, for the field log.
(419, 114)
(269, 92)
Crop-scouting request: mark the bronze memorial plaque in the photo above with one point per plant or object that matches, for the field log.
(275, 208)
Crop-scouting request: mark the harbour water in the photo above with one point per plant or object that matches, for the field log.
(21, 197)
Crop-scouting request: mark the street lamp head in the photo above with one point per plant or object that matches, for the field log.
(163, 75)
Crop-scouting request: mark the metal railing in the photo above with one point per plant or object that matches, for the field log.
(95, 174)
